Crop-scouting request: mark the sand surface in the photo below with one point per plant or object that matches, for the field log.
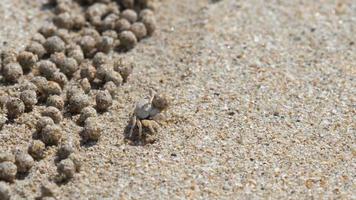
(263, 105)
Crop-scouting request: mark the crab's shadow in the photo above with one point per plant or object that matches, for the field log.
(48, 6)
(87, 144)
(21, 175)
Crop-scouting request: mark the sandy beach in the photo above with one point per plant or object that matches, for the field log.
(263, 105)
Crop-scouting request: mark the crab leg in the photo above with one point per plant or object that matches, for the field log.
(139, 125)
(133, 124)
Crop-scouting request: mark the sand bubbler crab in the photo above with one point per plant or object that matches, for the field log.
(145, 116)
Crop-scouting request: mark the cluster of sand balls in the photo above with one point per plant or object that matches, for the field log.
(67, 62)
(13, 163)
(104, 24)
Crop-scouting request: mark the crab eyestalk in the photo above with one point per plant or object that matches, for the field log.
(160, 101)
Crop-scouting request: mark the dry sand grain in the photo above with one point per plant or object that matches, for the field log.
(264, 105)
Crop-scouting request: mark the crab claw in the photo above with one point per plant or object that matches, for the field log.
(151, 125)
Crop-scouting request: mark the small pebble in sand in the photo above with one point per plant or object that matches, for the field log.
(15, 107)
(66, 169)
(86, 113)
(40, 83)
(47, 68)
(128, 40)
(88, 44)
(54, 44)
(93, 33)
(73, 90)
(117, 44)
(150, 24)
(55, 101)
(146, 13)
(130, 15)
(36, 48)
(12, 72)
(75, 51)
(8, 56)
(53, 113)
(125, 70)
(111, 87)
(102, 71)
(62, 7)
(122, 25)
(51, 134)
(29, 98)
(113, 7)
(108, 23)
(48, 30)
(88, 71)
(65, 150)
(57, 57)
(52, 88)
(114, 77)
(95, 12)
(48, 189)
(92, 130)
(7, 157)
(85, 84)
(4, 191)
(27, 60)
(64, 35)
(8, 171)
(63, 20)
(103, 100)
(139, 29)
(28, 85)
(43, 122)
(100, 59)
(60, 78)
(39, 38)
(77, 102)
(110, 33)
(37, 149)
(77, 160)
(78, 21)
(23, 161)
(68, 66)
(106, 44)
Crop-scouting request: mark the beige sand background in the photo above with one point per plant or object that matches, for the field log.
(264, 105)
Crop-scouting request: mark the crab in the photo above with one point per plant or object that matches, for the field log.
(146, 113)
